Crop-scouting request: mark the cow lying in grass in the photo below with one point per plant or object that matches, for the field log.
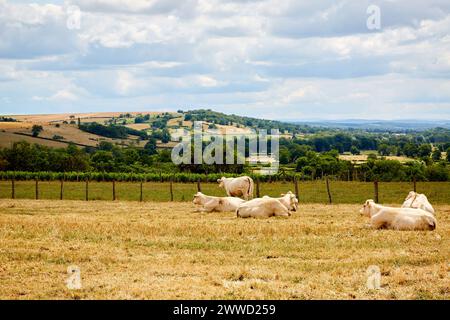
(398, 218)
(418, 201)
(237, 187)
(219, 204)
(262, 208)
(289, 200)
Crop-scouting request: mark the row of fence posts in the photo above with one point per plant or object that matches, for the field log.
(199, 188)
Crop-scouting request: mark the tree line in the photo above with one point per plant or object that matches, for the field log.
(309, 164)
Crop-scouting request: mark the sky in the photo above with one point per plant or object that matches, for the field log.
(275, 59)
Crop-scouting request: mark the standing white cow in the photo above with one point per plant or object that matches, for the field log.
(289, 200)
(418, 201)
(219, 204)
(398, 218)
(237, 187)
(262, 208)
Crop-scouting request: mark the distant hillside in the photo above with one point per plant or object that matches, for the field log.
(380, 125)
(137, 128)
(249, 122)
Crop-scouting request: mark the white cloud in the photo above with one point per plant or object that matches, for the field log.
(60, 96)
(311, 58)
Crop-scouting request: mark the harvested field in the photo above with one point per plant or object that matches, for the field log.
(131, 250)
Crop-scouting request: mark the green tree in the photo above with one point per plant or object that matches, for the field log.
(437, 172)
(424, 151)
(436, 155)
(150, 147)
(165, 138)
(105, 146)
(165, 156)
(354, 150)
(36, 130)
(284, 155)
(384, 149)
(410, 150)
(103, 161)
(448, 155)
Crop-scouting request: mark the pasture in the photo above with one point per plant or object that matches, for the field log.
(342, 192)
(166, 250)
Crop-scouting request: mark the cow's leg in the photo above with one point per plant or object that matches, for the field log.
(281, 212)
(378, 221)
(209, 206)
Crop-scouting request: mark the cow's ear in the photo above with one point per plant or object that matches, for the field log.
(283, 194)
(219, 180)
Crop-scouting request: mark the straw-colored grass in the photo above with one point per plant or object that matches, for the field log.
(132, 250)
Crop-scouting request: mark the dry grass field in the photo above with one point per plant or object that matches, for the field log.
(363, 158)
(69, 132)
(131, 250)
(7, 139)
(59, 117)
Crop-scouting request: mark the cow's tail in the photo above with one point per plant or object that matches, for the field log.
(250, 188)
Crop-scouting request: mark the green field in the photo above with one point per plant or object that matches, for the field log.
(310, 192)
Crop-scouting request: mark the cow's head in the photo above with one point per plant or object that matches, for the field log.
(293, 201)
(198, 198)
(367, 208)
(221, 181)
(411, 195)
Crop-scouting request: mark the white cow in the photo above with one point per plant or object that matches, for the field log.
(262, 208)
(398, 218)
(237, 187)
(418, 201)
(289, 200)
(210, 203)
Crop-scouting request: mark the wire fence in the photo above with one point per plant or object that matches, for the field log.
(319, 191)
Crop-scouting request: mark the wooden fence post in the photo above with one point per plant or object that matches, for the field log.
(199, 187)
(330, 200)
(141, 197)
(61, 191)
(13, 188)
(37, 189)
(114, 190)
(171, 189)
(296, 187)
(257, 188)
(376, 191)
(87, 189)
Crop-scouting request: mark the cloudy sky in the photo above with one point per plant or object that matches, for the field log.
(280, 59)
